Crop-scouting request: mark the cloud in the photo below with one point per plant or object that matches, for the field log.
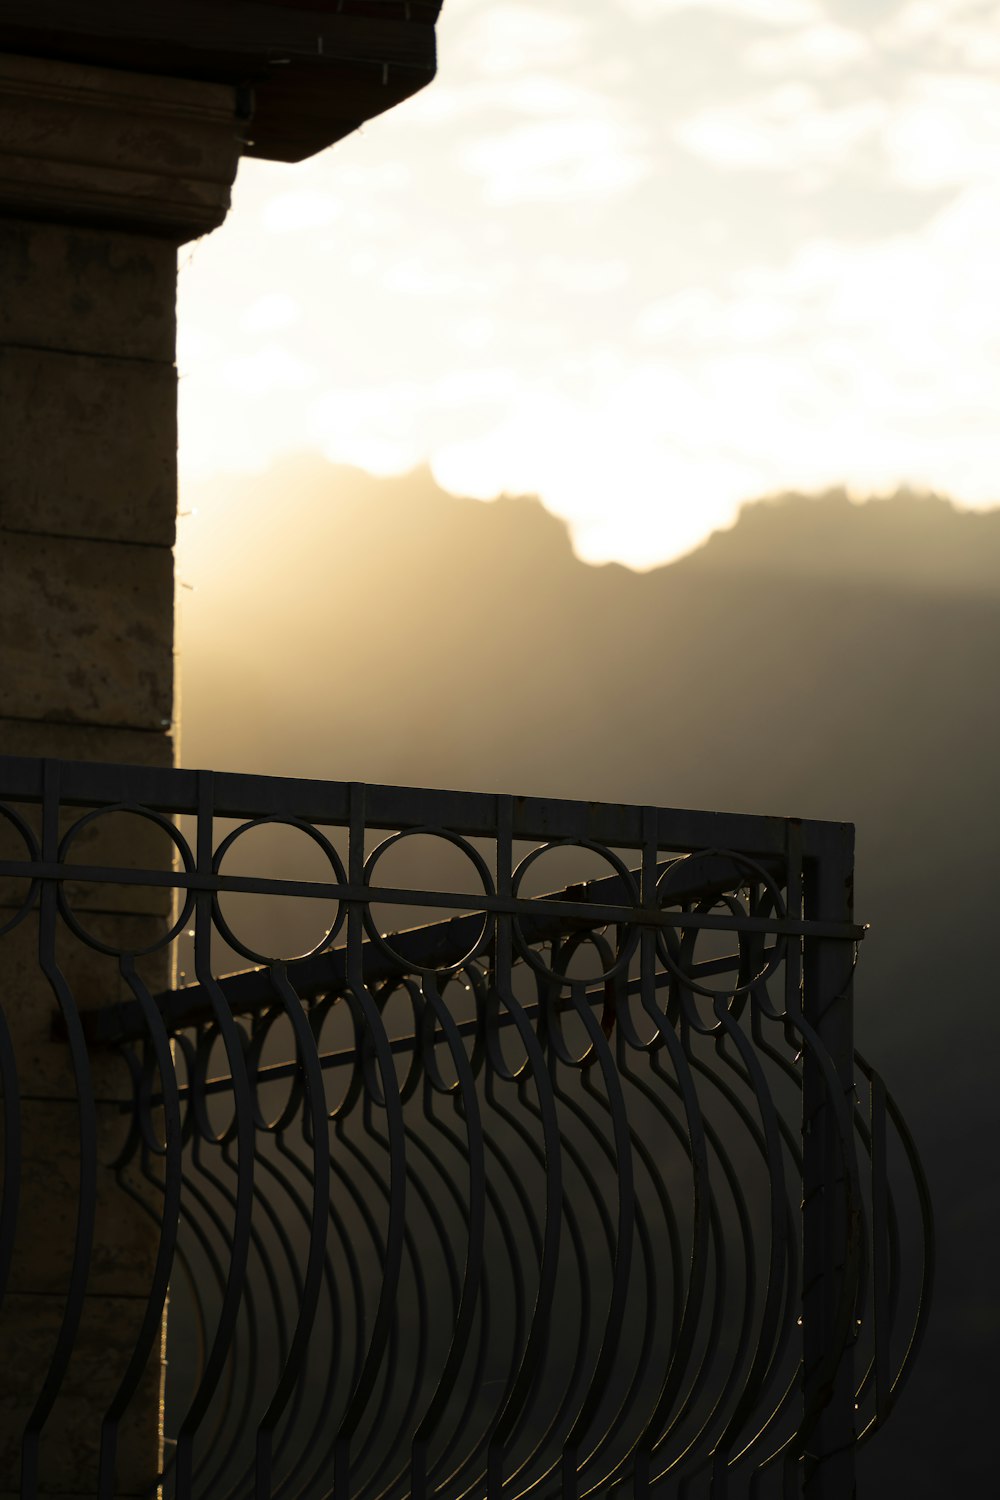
(617, 464)
(528, 290)
(872, 364)
(270, 313)
(513, 39)
(581, 276)
(304, 208)
(557, 161)
(267, 369)
(417, 276)
(536, 94)
(823, 49)
(945, 132)
(784, 130)
(703, 318)
(775, 13)
(965, 32)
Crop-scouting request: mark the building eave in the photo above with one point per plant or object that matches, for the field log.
(313, 70)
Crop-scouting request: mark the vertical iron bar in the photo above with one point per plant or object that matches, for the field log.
(169, 1219)
(829, 1214)
(881, 1307)
(383, 1320)
(87, 1118)
(239, 1248)
(476, 1219)
(518, 1396)
(315, 1105)
(10, 1194)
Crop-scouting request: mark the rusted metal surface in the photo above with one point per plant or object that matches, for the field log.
(575, 1193)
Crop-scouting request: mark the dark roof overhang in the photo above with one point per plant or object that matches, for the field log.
(312, 70)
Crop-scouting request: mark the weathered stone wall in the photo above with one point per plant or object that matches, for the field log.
(102, 174)
(88, 445)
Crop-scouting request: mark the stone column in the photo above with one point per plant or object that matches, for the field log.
(103, 173)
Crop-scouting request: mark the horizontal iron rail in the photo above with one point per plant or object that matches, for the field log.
(474, 814)
(440, 945)
(594, 994)
(482, 903)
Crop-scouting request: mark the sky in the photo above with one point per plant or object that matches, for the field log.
(647, 259)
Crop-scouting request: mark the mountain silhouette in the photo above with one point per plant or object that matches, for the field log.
(822, 658)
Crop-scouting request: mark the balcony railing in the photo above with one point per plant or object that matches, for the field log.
(549, 1169)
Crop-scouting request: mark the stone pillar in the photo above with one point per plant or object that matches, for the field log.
(103, 173)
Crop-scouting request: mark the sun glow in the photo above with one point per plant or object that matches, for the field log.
(641, 266)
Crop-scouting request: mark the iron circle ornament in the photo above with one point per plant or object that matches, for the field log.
(180, 843)
(267, 1122)
(24, 829)
(408, 1079)
(574, 1003)
(224, 929)
(677, 952)
(317, 1015)
(497, 1004)
(148, 1114)
(201, 1086)
(433, 1036)
(481, 868)
(625, 946)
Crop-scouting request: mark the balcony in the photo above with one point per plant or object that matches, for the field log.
(365, 1141)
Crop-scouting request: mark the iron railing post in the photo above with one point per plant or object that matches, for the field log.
(830, 1228)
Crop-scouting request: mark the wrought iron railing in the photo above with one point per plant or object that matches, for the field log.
(577, 1189)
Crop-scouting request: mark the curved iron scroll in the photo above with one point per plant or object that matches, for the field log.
(580, 1194)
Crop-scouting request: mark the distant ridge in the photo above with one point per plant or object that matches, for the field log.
(912, 540)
